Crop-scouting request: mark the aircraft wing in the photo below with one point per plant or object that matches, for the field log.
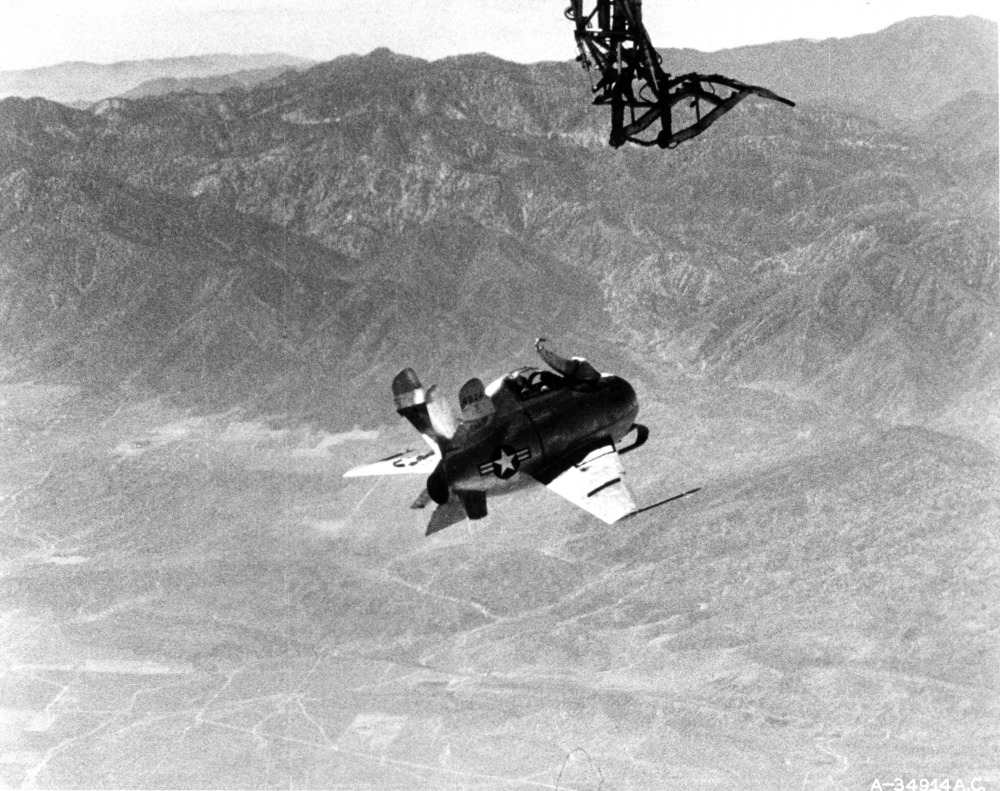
(595, 484)
(405, 463)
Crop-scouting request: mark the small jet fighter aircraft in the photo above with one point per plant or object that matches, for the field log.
(561, 429)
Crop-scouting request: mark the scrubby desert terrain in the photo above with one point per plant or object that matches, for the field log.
(205, 296)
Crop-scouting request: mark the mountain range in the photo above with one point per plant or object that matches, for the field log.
(246, 78)
(898, 73)
(379, 210)
(82, 83)
(204, 297)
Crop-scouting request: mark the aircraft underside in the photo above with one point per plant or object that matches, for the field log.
(562, 429)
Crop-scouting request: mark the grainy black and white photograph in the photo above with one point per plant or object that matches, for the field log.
(585, 395)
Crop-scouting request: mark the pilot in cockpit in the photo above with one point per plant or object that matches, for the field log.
(530, 382)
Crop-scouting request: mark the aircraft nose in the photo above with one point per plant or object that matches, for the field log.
(622, 396)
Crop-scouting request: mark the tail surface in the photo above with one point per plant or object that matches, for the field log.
(475, 404)
(436, 422)
(426, 413)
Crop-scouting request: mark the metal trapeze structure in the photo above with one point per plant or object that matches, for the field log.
(625, 72)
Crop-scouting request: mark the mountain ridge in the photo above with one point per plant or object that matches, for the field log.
(440, 181)
(204, 299)
(83, 81)
(246, 78)
(895, 74)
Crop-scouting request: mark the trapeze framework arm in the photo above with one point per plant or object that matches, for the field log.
(626, 73)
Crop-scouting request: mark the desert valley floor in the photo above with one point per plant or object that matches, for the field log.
(200, 600)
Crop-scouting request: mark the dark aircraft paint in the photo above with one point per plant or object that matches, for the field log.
(536, 425)
(559, 427)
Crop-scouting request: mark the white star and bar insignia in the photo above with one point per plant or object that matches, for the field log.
(505, 462)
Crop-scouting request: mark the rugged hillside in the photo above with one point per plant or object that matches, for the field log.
(474, 205)
(87, 82)
(967, 126)
(115, 286)
(203, 298)
(896, 74)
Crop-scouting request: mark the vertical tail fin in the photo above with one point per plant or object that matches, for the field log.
(428, 415)
(442, 418)
(474, 402)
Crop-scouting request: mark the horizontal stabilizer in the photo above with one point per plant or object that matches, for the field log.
(400, 464)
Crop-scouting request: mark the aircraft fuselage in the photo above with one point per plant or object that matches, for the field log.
(560, 428)
(534, 428)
